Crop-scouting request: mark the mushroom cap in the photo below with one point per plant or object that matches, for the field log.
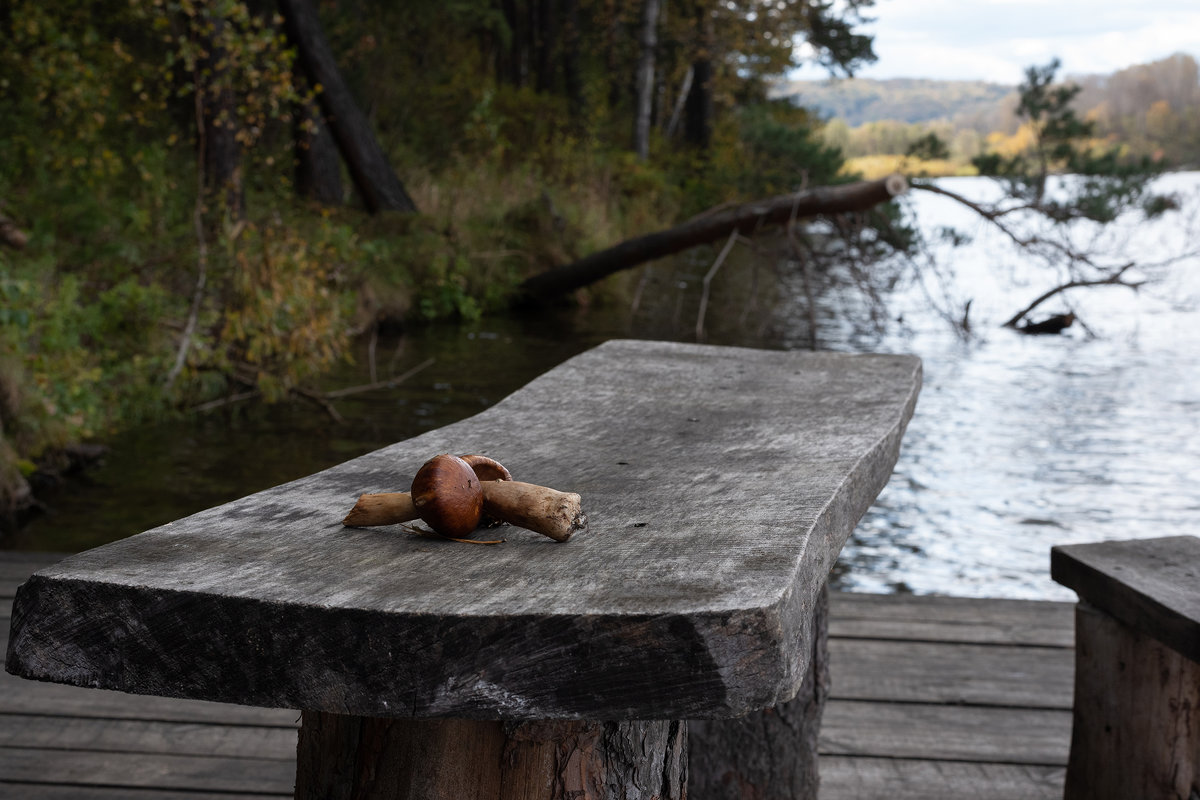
(447, 495)
(487, 469)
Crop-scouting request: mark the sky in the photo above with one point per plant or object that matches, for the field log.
(994, 40)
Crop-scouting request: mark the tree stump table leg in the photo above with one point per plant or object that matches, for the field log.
(365, 758)
(1136, 729)
(771, 754)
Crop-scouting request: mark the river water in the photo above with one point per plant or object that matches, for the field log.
(1018, 442)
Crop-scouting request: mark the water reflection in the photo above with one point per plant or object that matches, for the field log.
(1018, 442)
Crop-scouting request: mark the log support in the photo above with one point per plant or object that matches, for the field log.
(769, 754)
(766, 755)
(342, 757)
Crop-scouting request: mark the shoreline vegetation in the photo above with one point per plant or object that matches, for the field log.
(175, 234)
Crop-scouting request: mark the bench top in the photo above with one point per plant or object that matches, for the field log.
(1152, 585)
(720, 485)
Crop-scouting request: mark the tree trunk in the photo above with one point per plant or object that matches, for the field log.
(645, 80)
(373, 176)
(545, 36)
(613, 9)
(508, 63)
(571, 72)
(222, 152)
(698, 112)
(363, 758)
(318, 168)
(708, 227)
(771, 754)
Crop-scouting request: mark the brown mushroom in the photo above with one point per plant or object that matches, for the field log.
(487, 469)
(538, 508)
(389, 508)
(447, 496)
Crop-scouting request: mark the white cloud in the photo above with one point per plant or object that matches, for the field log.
(996, 39)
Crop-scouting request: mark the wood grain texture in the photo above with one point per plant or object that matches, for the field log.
(41, 791)
(967, 620)
(720, 485)
(904, 779)
(1152, 585)
(995, 734)
(933, 672)
(769, 754)
(145, 736)
(354, 758)
(1136, 729)
(248, 775)
(19, 696)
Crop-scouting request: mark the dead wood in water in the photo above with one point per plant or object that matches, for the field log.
(710, 226)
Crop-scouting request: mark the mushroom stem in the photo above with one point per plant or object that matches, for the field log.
(384, 508)
(538, 508)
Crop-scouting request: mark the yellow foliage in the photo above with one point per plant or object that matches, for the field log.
(872, 167)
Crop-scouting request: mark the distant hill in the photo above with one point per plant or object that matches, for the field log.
(859, 100)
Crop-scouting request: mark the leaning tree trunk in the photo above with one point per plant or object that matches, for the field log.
(710, 226)
(318, 168)
(222, 153)
(373, 176)
(572, 76)
(645, 80)
(698, 112)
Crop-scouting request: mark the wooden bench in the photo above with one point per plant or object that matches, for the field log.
(1136, 728)
(720, 485)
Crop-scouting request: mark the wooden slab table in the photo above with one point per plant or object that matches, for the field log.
(720, 485)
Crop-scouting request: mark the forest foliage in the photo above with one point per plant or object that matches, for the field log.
(176, 253)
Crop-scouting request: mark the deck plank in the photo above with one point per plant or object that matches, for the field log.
(950, 672)
(70, 701)
(953, 733)
(43, 791)
(844, 778)
(953, 619)
(88, 768)
(141, 736)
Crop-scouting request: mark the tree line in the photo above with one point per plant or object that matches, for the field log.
(1148, 109)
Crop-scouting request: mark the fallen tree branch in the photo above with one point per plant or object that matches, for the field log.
(189, 329)
(387, 384)
(709, 227)
(320, 398)
(993, 216)
(321, 401)
(712, 272)
(1115, 279)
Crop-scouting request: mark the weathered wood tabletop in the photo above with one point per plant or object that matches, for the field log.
(720, 485)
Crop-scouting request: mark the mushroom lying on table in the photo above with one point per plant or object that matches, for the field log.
(452, 495)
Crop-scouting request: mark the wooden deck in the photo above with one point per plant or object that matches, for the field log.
(932, 698)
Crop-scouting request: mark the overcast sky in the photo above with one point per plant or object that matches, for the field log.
(995, 40)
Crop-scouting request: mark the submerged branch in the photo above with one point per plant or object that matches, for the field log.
(1114, 279)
